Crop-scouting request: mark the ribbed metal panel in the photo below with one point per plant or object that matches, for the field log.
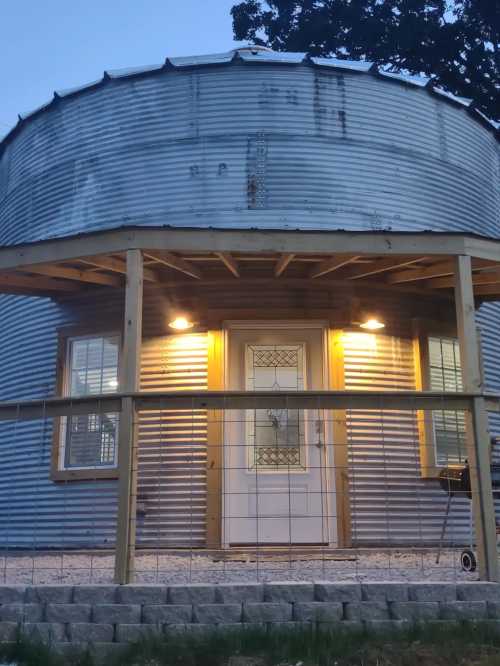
(173, 446)
(390, 503)
(488, 319)
(260, 141)
(341, 149)
(36, 512)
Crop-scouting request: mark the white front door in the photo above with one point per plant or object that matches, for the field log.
(278, 479)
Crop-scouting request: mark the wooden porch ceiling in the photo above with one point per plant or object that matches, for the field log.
(402, 272)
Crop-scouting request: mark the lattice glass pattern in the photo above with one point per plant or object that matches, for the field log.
(271, 456)
(275, 358)
(275, 437)
(90, 440)
(449, 426)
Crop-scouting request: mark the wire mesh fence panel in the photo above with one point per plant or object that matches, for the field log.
(280, 500)
(237, 488)
(58, 522)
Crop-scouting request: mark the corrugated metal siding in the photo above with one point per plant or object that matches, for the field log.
(173, 446)
(336, 149)
(390, 503)
(342, 150)
(36, 512)
(488, 319)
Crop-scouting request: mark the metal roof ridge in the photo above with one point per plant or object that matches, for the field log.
(245, 56)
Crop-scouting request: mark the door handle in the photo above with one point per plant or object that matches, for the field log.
(319, 431)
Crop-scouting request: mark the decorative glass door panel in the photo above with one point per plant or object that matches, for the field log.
(275, 437)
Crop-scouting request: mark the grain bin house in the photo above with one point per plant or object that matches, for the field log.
(247, 302)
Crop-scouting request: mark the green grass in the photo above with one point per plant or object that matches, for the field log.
(27, 653)
(475, 645)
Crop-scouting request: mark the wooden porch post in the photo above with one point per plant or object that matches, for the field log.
(478, 443)
(215, 382)
(127, 446)
(340, 443)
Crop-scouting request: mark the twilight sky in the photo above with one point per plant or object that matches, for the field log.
(48, 45)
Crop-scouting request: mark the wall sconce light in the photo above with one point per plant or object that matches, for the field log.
(372, 324)
(181, 324)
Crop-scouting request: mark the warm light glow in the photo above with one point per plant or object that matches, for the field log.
(355, 342)
(372, 325)
(113, 383)
(181, 324)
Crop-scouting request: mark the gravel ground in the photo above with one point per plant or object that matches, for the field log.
(196, 567)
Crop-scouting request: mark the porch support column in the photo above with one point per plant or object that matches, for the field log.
(215, 457)
(477, 435)
(340, 449)
(127, 439)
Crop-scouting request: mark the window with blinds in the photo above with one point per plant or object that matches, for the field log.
(445, 374)
(90, 440)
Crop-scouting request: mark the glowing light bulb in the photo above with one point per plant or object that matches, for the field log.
(372, 325)
(181, 324)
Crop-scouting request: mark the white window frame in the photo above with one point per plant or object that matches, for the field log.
(66, 389)
(439, 464)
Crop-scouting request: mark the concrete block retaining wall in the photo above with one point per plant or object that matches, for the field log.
(105, 616)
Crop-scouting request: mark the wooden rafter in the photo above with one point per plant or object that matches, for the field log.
(34, 284)
(382, 266)
(117, 266)
(175, 262)
(229, 262)
(66, 273)
(107, 263)
(282, 264)
(333, 264)
(437, 270)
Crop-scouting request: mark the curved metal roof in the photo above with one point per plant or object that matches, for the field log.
(258, 55)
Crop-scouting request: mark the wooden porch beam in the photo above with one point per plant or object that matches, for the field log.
(117, 266)
(491, 290)
(33, 284)
(282, 263)
(333, 264)
(229, 262)
(154, 400)
(382, 267)
(75, 274)
(486, 277)
(172, 261)
(128, 430)
(235, 241)
(190, 287)
(477, 436)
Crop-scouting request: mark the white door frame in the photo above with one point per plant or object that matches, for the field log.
(287, 324)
